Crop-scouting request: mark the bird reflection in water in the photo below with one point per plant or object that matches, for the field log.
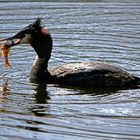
(4, 87)
(41, 96)
(4, 91)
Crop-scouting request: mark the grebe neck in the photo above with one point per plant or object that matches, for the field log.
(39, 70)
(42, 44)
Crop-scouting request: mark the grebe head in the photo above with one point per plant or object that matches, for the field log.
(37, 36)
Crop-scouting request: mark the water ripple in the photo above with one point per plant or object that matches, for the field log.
(94, 31)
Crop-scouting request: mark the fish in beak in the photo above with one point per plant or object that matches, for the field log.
(20, 38)
(6, 44)
(4, 51)
(9, 42)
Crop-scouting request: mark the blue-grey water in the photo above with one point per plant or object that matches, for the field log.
(102, 31)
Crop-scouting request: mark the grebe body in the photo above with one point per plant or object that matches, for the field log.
(92, 74)
(86, 74)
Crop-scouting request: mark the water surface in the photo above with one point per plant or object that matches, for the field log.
(94, 31)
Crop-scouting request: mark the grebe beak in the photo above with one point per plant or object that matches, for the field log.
(18, 39)
(10, 42)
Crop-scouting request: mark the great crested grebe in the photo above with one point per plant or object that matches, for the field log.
(86, 74)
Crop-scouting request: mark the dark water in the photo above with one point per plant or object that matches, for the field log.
(97, 31)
